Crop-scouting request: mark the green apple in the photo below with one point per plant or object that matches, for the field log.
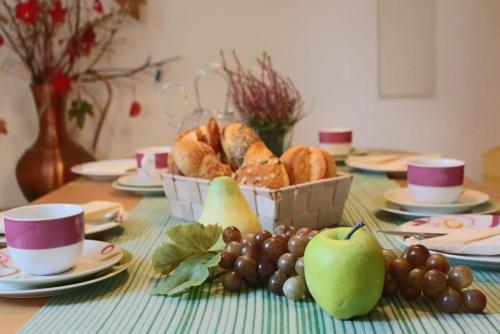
(345, 277)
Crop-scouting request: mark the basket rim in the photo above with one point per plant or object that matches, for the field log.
(339, 176)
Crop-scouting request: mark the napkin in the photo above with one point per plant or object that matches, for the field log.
(390, 161)
(467, 240)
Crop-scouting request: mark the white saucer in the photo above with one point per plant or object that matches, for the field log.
(104, 170)
(12, 291)
(134, 180)
(480, 221)
(467, 200)
(382, 204)
(145, 191)
(96, 256)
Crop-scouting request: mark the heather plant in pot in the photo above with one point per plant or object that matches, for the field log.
(266, 100)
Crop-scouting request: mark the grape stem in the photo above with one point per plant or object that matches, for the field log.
(215, 276)
(354, 229)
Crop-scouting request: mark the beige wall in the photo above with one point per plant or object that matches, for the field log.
(330, 49)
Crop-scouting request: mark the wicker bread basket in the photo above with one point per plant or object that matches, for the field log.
(314, 204)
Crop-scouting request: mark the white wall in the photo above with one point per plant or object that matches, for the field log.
(330, 49)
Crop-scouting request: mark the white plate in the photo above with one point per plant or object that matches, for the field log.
(12, 291)
(480, 221)
(385, 163)
(134, 180)
(147, 191)
(467, 200)
(382, 204)
(104, 170)
(96, 256)
(354, 152)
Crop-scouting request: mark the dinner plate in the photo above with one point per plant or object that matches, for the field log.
(104, 170)
(442, 224)
(13, 291)
(382, 204)
(467, 200)
(385, 163)
(146, 191)
(134, 180)
(354, 152)
(96, 256)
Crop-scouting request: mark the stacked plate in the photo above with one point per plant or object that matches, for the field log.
(99, 261)
(354, 152)
(136, 184)
(104, 170)
(399, 201)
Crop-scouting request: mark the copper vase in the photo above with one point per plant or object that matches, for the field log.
(46, 165)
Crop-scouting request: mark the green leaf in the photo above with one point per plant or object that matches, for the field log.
(196, 236)
(190, 272)
(79, 110)
(186, 240)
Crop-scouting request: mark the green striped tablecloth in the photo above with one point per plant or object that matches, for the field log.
(123, 305)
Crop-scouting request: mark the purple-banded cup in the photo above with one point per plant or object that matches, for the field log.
(151, 161)
(45, 239)
(436, 181)
(336, 141)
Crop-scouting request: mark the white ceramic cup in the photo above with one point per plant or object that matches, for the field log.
(336, 141)
(151, 162)
(436, 181)
(45, 239)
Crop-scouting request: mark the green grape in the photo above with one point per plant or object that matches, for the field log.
(294, 288)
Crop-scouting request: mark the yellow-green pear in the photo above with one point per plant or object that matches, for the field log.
(226, 206)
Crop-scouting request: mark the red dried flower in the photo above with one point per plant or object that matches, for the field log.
(2, 41)
(88, 40)
(61, 83)
(58, 12)
(98, 6)
(28, 11)
(135, 109)
(3, 127)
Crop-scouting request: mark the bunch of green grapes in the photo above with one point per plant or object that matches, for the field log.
(418, 272)
(263, 258)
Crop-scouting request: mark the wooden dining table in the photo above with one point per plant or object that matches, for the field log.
(14, 313)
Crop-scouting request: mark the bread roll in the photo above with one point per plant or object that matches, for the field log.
(208, 134)
(269, 173)
(197, 159)
(236, 139)
(305, 164)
